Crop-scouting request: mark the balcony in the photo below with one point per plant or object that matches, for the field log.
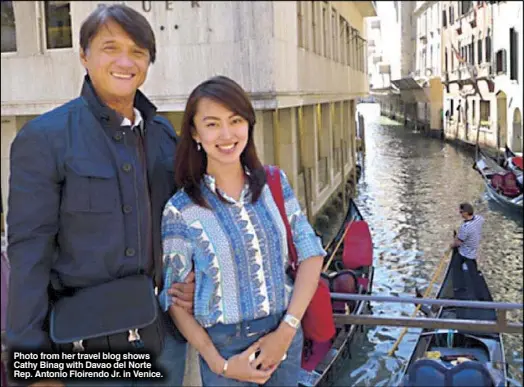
(471, 18)
(371, 43)
(377, 59)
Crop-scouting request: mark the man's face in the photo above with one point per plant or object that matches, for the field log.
(463, 214)
(116, 65)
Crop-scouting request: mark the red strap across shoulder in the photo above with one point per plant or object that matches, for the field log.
(275, 185)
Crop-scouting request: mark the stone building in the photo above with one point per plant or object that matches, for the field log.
(303, 64)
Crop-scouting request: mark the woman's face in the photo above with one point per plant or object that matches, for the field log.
(222, 133)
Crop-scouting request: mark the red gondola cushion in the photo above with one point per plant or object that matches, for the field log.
(358, 247)
(517, 160)
(497, 180)
(510, 187)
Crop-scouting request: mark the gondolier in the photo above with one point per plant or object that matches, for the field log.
(467, 240)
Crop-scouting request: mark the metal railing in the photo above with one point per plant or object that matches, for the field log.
(500, 325)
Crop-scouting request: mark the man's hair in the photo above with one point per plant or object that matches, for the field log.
(132, 22)
(467, 208)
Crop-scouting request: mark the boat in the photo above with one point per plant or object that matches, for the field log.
(458, 358)
(349, 270)
(513, 162)
(502, 184)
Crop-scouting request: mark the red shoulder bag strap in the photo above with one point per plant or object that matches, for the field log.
(275, 186)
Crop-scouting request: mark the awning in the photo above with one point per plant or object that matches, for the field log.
(410, 90)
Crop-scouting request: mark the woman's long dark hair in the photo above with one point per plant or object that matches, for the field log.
(191, 164)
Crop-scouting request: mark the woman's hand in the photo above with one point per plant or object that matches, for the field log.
(240, 368)
(274, 346)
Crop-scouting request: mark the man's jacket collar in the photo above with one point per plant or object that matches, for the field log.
(107, 115)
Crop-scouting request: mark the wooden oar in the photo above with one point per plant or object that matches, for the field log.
(337, 246)
(426, 294)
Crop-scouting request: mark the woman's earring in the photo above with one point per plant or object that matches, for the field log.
(199, 148)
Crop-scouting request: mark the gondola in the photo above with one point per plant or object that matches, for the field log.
(502, 184)
(350, 271)
(454, 358)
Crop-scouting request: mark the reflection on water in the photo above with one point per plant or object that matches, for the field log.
(409, 193)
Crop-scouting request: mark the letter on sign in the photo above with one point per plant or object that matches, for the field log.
(146, 6)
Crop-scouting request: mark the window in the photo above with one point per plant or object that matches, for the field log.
(444, 19)
(479, 51)
(513, 54)
(8, 27)
(300, 26)
(58, 24)
(484, 113)
(451, 15)
(334, 41)
(325, 30)
(314, 22)
(446, 60)
(488, 49)
(473, 111)
(472, 53)
(465, 7)
(342, 37)
(348, 44)
(500, 61)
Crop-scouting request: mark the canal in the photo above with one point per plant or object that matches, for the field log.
(409, 193)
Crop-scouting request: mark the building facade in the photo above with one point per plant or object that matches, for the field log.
(468, 72)
(427, 72)
(507, 48)
(303, 64)
(391, 51)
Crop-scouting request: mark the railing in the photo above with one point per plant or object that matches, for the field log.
(501, 325)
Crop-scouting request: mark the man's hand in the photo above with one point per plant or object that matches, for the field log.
(183, 293)
(48, 383)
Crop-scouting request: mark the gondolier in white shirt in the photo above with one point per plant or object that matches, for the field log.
(467, 241)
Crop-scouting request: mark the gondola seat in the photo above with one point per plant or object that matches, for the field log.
(497, 181)
(469, 373)
(510, 187)
(343, 281)
(429, 372)
(506, 184)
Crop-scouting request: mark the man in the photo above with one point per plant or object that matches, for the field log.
(467, 240)
(88, 184)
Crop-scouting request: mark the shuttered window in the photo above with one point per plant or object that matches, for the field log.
(500, 62)
(513, 54)
(479, 51)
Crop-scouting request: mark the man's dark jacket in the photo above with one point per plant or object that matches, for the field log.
(78, 204)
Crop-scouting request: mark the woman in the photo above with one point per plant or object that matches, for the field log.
(225, 225)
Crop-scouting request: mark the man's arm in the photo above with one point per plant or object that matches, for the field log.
(34, 199)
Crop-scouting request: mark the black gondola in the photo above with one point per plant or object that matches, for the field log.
(452, 358)
(502, 184)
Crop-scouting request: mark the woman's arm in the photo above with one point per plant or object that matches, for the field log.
(310, 259)
(197, 337)
(178, 263)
